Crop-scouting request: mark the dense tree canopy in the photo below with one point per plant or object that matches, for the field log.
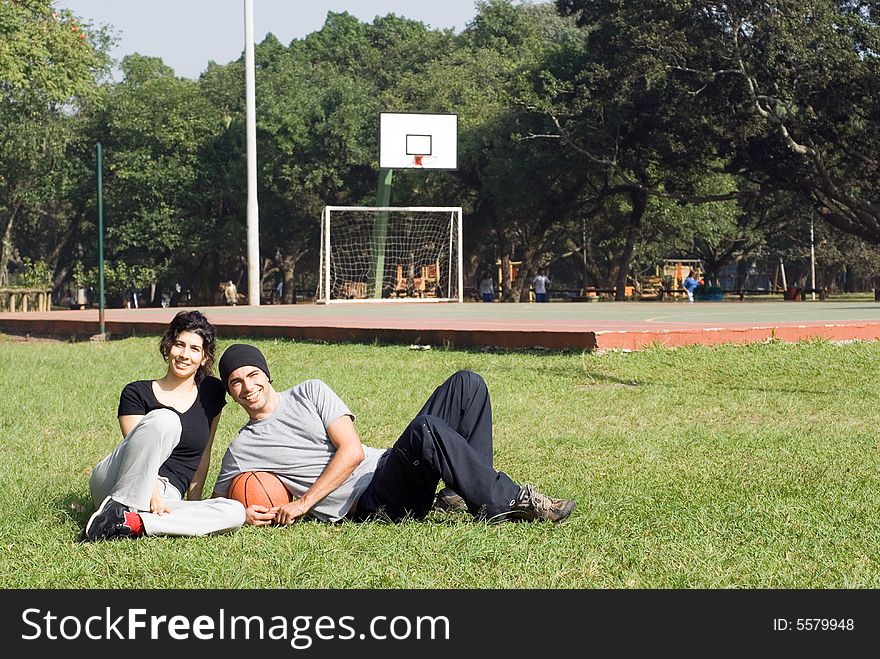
(50, 67)
(788, 86)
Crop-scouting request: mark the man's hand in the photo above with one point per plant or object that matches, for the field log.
(349, 454)
(258, 515)
(290, 512)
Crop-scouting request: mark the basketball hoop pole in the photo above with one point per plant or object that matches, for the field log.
(380, 233)
(407, 140)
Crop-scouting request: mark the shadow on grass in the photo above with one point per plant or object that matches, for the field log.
(599, 379)
(78, 508)
(29, 336)
(778, 390)
(418, 346)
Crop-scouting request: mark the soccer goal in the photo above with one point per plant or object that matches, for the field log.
(390, 254)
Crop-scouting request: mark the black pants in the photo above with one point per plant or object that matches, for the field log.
(449, 440)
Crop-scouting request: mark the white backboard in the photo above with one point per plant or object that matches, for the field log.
(418, 140)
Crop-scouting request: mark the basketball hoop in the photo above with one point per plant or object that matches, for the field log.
(418, 140)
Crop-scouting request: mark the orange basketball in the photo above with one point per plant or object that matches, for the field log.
(258, 487)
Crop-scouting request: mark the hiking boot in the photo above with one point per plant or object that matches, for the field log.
(109, 522)
(530, 505)
(449, 503)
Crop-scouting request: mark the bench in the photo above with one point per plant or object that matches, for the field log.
(590, 292)
(790, 293)
(670, 292)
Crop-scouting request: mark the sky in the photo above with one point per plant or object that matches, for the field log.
(187, 34)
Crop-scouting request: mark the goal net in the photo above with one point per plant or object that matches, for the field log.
(390, 254)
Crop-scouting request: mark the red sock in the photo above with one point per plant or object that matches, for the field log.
(134, 522)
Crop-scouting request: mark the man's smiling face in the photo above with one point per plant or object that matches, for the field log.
(250, 388)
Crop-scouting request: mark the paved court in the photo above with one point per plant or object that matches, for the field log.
(557, 325)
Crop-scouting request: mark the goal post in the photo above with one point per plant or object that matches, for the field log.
(390, 254)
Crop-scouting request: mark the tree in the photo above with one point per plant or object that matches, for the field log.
(155, 128)
(599, 96)
(50, 66)
(788, 85)
(47, 58)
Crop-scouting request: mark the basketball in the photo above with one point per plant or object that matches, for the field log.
(258, 487)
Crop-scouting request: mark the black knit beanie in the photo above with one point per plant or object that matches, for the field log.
(238, 355)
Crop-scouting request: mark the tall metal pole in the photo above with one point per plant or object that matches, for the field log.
(376, 271)
(253, 216)
(100, 174)
(584, 243)
(460, 262)
(812, 262)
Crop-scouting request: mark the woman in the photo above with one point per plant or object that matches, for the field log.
(168, 427)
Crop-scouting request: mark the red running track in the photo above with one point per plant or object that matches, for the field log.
(559, 325)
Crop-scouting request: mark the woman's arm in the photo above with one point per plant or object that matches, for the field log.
(127, 422)
(198, 481)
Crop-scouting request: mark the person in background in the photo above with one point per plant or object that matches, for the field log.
(540, 282)
(690, 284)
(131, 298)
(230, 294)
(487, 288)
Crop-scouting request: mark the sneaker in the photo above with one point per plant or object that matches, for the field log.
(449, 503)
(530, 505)
(108, 522)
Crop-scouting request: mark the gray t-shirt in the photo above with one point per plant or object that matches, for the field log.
(293, 443)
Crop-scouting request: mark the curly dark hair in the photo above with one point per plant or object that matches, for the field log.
(195, 322)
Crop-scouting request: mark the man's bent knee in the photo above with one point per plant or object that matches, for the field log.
(419, 432)
(419, 425)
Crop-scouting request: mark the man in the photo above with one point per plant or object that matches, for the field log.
(487, 288)
(540, 282)
(306, 436)
(230, 293)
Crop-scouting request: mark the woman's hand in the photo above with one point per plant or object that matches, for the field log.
(156, 505)
(258, 515)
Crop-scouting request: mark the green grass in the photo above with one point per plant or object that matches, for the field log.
(705, 467)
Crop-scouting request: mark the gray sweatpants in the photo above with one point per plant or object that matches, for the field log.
(129, 473)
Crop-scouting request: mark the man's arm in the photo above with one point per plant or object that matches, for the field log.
(349, 454)
(255, 514)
